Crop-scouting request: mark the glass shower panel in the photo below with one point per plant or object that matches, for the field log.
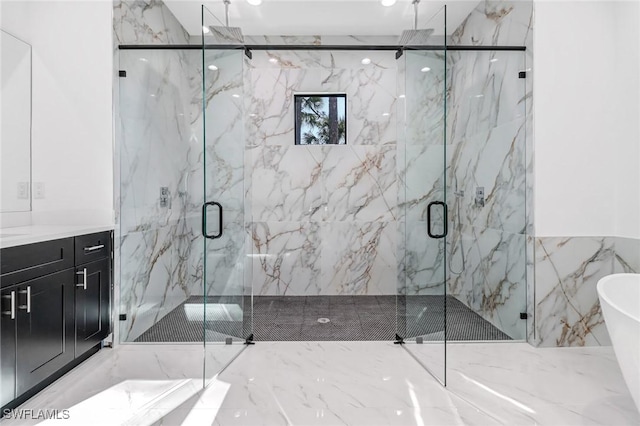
(227, 304)
(486, 186)
(160, 249)
(422, 291)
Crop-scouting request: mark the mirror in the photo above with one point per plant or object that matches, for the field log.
(15, 124)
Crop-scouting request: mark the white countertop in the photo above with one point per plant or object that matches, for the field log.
(18, 236)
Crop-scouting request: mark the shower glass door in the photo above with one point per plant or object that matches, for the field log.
(421, 306)
(227, 306)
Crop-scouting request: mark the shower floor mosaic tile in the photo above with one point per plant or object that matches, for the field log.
(322, 318)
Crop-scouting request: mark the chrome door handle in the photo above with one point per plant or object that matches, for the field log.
(84, 277)
(93, 248)
(12, 311)
(28, 305)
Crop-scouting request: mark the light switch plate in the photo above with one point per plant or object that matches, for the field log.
(38, 190)
(23, 190)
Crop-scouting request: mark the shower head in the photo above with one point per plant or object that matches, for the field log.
(224, 34)
(415, 37)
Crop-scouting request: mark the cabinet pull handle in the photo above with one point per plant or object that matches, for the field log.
(93, 248)
(84, 277)
(27, 307)
(11, 312)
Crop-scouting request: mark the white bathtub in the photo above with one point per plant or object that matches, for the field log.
(620, 300)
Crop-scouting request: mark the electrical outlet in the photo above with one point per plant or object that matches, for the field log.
(23, 190)
(38, 190)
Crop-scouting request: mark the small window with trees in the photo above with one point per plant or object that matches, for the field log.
(321, 119)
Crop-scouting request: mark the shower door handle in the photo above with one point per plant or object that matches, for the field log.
(204, 220)
(444, 217)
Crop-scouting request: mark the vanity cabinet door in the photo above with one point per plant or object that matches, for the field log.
(45, 327)
(8, 345)
(92, 304)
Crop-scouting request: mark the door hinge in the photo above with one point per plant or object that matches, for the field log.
(524, 315)
(522, 74)
(122, 73)
(122, 317)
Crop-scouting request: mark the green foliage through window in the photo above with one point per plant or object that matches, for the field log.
(321, 119)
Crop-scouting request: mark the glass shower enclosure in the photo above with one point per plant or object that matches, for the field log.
(185, 262)
(181, 216)
(463, 212)
(422, 290)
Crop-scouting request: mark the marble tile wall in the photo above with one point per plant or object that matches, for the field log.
(158, 148)
(224, 174)
(561, 272)
(322, 219)
(302, 203)
(486, 146)
(161, 145)
(159, 130)
(627, 255)
(146, 22)
(567, 270)
(420, 165)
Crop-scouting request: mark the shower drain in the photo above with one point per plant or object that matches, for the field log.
(323, 320)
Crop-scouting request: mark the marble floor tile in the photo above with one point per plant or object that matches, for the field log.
(344, 383)
(122, 383)
(328, 383)
(522, 385)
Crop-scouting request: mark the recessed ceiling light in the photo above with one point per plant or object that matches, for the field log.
(401, 96)
(273, 60)
(144, 60)
(385, 114)
(388, 2)
(493, 60)
(254, 2)
(235, 95)
(366, 61)
(425, 69)
(213, 67)
(479, 96)
(205, 29)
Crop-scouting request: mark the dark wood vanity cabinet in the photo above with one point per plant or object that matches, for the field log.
(7, 346)
(55, 308)
(93, 288)
(44, 328)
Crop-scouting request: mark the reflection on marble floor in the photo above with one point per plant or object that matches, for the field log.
(378, 383)
(118, 386)
(344, 383)
(518, 384)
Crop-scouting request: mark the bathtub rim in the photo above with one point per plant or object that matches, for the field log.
(602, 294)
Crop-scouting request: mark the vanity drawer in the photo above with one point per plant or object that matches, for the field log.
(22, 263)
(92, 247)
